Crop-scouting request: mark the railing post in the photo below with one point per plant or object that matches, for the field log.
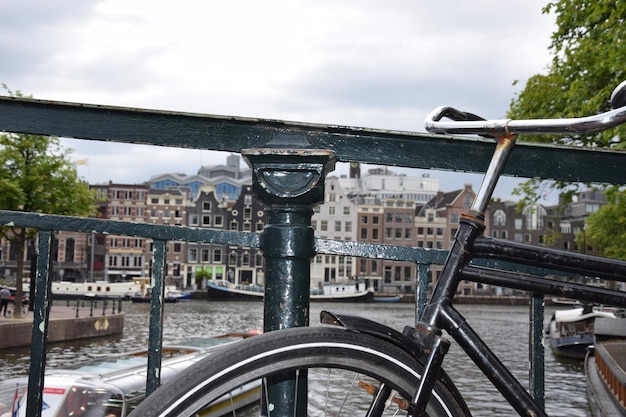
(537, 357)
(290, 183)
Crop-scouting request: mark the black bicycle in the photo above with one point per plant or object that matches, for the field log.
(364, 368)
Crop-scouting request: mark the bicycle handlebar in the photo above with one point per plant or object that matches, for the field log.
(468, 123)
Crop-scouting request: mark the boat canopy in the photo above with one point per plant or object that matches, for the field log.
(576, 314)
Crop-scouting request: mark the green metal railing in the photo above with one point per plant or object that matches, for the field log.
(289, 162)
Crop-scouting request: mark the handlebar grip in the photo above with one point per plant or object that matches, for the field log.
(456, 115)
(618, 97)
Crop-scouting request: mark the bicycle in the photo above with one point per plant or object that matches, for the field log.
(390, 372)
(11, 309)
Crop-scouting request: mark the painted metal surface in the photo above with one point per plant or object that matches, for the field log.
(358, 144)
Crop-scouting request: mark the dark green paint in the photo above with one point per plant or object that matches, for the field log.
(367, 145)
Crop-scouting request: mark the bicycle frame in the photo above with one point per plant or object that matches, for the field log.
(469, 244)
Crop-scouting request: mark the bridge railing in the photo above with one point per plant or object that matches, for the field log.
(289, 162)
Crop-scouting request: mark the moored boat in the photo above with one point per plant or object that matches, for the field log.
(605, 369)
(336, 292)
(571, 331)
(64, 290)
(115, 385)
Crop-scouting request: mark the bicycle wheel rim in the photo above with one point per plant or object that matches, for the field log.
(370, 358)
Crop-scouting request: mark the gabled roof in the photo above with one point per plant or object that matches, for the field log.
(441, 200)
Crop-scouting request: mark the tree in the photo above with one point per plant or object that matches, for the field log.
(589, 52)
(36, 175)
(606, 228)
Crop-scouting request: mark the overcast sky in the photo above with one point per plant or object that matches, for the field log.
(378, 64)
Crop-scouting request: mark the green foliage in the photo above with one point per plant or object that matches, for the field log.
(606, 228)
(589, 52)
(36, 175)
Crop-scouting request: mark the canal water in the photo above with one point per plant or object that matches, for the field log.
(504, 328)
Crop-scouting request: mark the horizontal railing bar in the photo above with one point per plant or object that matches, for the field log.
(380, 251)
(351, 144)
(125, 228)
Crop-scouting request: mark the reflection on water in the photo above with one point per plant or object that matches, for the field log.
(504, 328)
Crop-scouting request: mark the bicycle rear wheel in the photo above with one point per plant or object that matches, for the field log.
(345, 371)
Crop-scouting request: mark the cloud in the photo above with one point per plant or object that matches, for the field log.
(356, 62)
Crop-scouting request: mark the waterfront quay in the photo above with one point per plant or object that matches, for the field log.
(71, 321)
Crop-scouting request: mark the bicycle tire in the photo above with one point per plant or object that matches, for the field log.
(11, 310)
(309, 348)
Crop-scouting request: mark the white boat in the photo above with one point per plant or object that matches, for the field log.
(64, 290)
(571, 331)
(221, 290)
(115, 385)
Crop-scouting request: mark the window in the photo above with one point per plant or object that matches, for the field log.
(408, 233)
(346, 211)
(69, 249)
(232, 258)
(217, 256)
(534, 216)
(337, 226)
(591, 207)
(234, 225)
(467, 201)
(518, 225)
(206, 206)
(331, 211)
(454, 218)
(193, 220)
(206, 255)
(348, 227)
(364, 233)
(324, 225)
(499, 218)
(247, 199)
(206, 220)
(247, 213)
(177, 247)
(374, 234)
(375, 220)
(374, 266)
(363, 219)
(218, 221)
(193, 255)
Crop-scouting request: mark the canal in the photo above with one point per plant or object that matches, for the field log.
(505, 328)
